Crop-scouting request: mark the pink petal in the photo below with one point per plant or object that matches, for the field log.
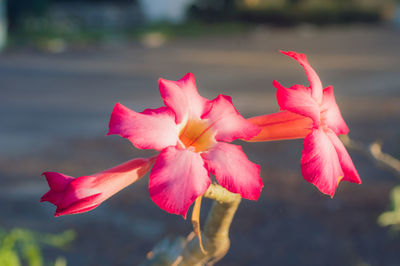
(350, 172)
(151, 129)
(233, 170)
(77, 195)
(227, 122)
(320, 163)
(281, 125)
(177, 179)
(315, 82)
(52, 197)
(297, 99)
(331, 114)
(83, 205)
(57, 182)
(182, 97)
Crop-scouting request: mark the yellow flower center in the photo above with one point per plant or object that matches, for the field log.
(198, 135)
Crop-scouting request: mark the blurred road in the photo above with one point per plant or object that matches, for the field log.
(55, 110)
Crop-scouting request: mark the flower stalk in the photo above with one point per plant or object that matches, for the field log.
(215, 234)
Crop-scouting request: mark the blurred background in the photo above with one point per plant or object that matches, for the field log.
(65, 63)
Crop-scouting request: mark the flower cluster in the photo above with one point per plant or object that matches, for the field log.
(191, 135)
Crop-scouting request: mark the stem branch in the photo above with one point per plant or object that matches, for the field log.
(374, 152)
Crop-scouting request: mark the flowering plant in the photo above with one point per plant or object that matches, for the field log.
(192, 135)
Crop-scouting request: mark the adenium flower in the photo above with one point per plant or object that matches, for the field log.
(191, 134)
(311, 113)
(76, 195)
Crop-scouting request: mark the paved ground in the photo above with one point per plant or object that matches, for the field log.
(55, 110)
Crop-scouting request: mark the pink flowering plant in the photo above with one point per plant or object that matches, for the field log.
(192, 136)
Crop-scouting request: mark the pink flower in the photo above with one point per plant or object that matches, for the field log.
(311, 113)
(191, 134)
(76, 195)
